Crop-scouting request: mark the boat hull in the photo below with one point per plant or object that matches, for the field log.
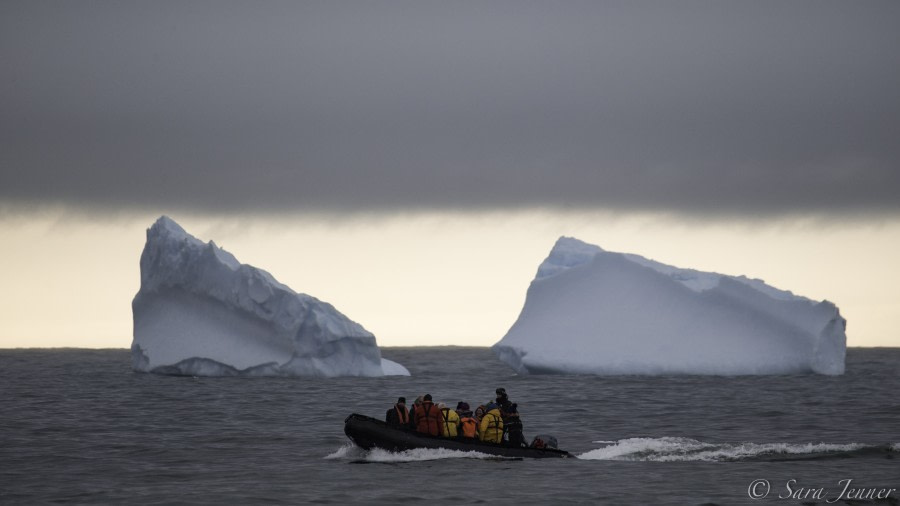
(368, 433)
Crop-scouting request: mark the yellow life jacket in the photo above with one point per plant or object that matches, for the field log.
(491, 428)
(451, 423)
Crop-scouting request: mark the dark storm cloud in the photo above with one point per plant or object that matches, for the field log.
(722, 107)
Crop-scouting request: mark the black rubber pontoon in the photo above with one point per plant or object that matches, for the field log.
(368, 433)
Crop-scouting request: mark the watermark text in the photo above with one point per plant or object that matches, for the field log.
(792, 489)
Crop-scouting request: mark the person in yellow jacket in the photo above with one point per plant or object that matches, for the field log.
(491, 427)
(450, 427)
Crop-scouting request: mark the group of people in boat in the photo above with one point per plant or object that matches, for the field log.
(496, 421)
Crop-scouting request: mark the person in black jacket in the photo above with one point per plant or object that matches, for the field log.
(412, 413)
(512, 426)
(502, 397)
(398, 416)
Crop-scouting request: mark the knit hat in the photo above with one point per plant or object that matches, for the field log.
(462, 406)
(427, 397)
(401, 400)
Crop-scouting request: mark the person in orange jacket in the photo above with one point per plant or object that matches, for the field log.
(468, 425)
(428, 417)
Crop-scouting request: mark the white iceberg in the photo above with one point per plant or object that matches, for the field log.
(589, 311)
(201, 312)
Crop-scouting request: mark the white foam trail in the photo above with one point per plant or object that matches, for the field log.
(353, 452)
(895, 447)
(349, 450)
(671, 449)
(423, 454)
(638, 448)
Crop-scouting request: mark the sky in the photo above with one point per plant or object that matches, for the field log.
(413, 162)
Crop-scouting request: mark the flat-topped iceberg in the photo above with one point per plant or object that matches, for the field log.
(201, 312)
(589, 311)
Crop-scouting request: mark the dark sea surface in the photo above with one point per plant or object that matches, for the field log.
(78, 426)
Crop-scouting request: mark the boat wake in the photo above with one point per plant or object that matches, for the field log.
(356, 454)
(676, 449)
(665, 449)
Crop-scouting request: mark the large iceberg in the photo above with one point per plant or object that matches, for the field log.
(201, 312)
(589, 311)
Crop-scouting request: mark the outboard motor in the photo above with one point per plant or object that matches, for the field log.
(544, 441)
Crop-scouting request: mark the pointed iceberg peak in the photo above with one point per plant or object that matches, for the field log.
(568, 252)
(201, 312)
(166, 228)
(164, 222)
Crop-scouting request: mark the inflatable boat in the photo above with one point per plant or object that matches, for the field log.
(368, 433)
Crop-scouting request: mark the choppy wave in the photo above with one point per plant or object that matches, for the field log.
(672, 449)
(357, 454)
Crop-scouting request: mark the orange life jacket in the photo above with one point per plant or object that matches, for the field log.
(429, 419)
(468, 426)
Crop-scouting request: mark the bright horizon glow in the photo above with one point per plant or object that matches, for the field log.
(428, 278)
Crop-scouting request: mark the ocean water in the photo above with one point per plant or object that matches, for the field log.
(79, 427)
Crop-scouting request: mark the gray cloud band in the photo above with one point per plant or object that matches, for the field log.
(760, 108)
